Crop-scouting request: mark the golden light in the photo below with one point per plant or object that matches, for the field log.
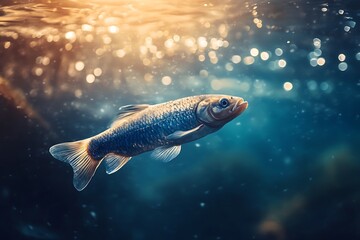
(119, 43)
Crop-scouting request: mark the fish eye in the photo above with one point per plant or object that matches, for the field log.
(224, 102)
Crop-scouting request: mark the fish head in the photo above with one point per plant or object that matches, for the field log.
(217, 110)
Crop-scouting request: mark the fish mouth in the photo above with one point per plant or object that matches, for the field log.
(239, 106)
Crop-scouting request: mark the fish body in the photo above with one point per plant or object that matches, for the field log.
(141, 128)
(148, 129)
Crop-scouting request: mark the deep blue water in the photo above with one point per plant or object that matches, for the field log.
(287, 168)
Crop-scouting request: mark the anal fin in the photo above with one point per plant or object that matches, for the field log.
(114, 162)
(166, 153)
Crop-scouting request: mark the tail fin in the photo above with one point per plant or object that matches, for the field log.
(76, 154)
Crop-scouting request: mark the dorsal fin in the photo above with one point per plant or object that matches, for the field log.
(128, 110)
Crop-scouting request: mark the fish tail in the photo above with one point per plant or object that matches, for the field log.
(77, 155)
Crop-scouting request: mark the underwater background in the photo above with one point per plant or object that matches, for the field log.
(287, 168)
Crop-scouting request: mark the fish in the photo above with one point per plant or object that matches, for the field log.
(160, 128)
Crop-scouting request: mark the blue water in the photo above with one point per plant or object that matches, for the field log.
(287, 168)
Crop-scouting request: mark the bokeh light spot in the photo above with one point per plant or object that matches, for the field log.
(201, 58)
(7, 44)
(148, 77)
(113, 29)
(341, 57)
(254, 52)
(38, 71)
(249, 60)
(97, 72)
(313, 62)
(312, 85)
(90, 78)
(78, 93)
(282, 63)
(87, 28)
(264, 56)
(120, 53)
(169, 43)
(317, 43)
(203, 73)
(202, 42)
(279, 52)
(236, 59)
(288, 86)
(320, 61)
(342, 66)
(70, 36)
(79, 65)
(229, 67)
(166, 80)
(357, 56)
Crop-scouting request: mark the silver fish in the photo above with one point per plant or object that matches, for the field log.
(140, 128)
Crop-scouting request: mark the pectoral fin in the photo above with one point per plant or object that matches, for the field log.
(166, 153)
(114, 162)
(181, 134)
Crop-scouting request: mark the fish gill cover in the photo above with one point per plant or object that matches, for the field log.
(287, 169)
